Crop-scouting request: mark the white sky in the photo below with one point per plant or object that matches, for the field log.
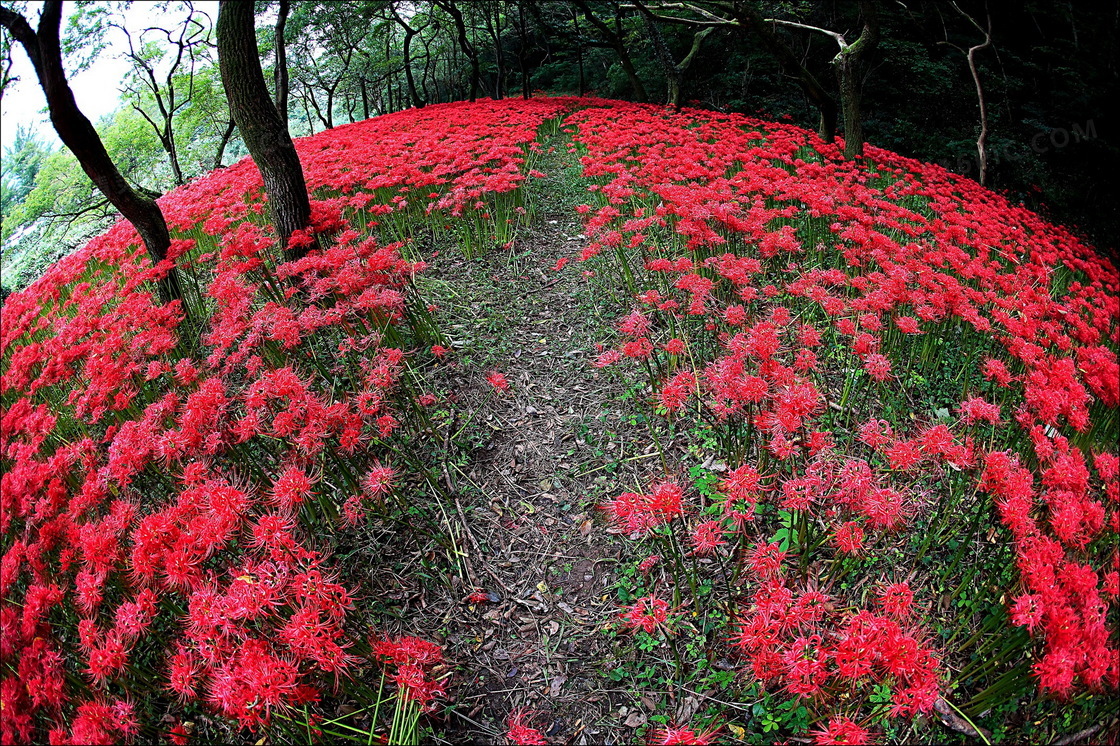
(97, 90)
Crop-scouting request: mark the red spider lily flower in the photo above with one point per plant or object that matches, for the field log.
(1027, 611)
(478, 596)
(842, 730)
(766, 560)
(675, 346)
(290, 488)
(519, 731)
(878, 367)
(677, 390)
(647, 614)
(648, 563)
(497, 380)
(848, 537)
(977, 409)
(707, 536)
(607, 357)
(897, 600)
(179, 735)
(671, 735)
(635, 325)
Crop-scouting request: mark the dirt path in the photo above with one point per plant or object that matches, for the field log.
(533, 464)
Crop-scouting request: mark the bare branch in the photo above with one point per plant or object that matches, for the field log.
(839, 38)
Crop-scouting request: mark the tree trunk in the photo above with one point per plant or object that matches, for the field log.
(365, 99)
(495, 29)
(409, 32)
(615, 40)
(264, 132)
(847, 76)
(223, 143)
(674, 71)
(465, 45)
(43, 47)
(848, 70)
(523, 52)
(281, 73)
(748, 17)
(579, 52)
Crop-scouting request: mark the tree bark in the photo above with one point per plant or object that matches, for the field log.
(409, 32)
(523, 52)
(674, 71)
(750, 18)
(281, 72)
(223, 143)
(982, 140)
(264, 132)
(43, 47)
(464, 44)
(848, 70)
(615, 40)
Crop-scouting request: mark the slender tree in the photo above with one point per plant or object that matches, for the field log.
(44, 49)
(265, 134)
(847, 64)
(281, 73)
(744, 16)
(409, 33)
(982, 140)
(465, 44)
(615, 38)
(674, 71)
(185, 43)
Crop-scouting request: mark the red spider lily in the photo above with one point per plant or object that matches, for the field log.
(897, 600)
(669, 735)
(519, 731)
(842, 730)
(497, 380)
(647, 614)
(632, 512)
(414, 660)
(707, 536)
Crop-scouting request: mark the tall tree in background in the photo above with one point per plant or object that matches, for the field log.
(185, 43)
(409, 32)
(281, 72)
(465, 44)
(615, 38)
(674, 71)
(44, 49)
(847, 63)
(970, 54)
(264, 132)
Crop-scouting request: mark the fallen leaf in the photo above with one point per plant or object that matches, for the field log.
(554, 687)
(636, 719)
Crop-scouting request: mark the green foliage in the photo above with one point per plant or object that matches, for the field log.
(22, 160)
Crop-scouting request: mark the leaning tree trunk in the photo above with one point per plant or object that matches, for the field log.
(43, 47)
(281, 75)
(465, 45)
(848, 69)
(617, 41)
(265, 134)
(750, 18)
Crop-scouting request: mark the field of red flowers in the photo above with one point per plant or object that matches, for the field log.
(883, 494)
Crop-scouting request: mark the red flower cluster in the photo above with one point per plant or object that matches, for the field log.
(630, 512)
(415, 660)
(801, 642)
(792, 276)
(161, 479)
